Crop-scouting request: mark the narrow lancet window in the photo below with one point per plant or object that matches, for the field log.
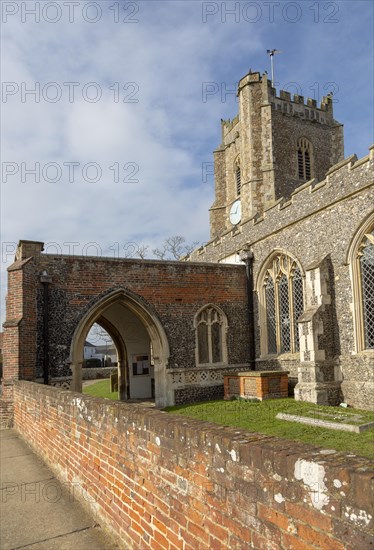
(304, 159)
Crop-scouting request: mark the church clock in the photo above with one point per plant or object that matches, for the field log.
(235, 212)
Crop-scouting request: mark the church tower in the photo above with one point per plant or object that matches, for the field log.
(274, 145)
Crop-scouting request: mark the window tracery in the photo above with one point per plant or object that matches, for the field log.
(364, 283)
(210, 325)
(283, 300)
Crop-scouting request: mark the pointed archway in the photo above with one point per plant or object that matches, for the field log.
(128, 303)
(122, 358)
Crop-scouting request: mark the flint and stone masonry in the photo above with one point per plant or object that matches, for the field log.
(285, 199)
(302, 204)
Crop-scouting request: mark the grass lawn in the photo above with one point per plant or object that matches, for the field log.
(101, 389)
(261, 417)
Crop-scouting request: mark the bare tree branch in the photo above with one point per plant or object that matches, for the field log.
(142, 251)
(159, 253)
(174, 248)
(174, 245)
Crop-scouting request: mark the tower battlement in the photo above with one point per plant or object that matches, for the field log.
(228, 125)
(297, 105)
(287, 103)
(256, 77)
(305, 201)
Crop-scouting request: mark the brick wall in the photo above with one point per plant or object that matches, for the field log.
(171, 291)
(156, 480)
(19, 338)
(6, 414)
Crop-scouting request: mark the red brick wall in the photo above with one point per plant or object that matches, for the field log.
(20, 334)
(156, 480)
(173, 291)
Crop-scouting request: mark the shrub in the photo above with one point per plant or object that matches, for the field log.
(93, 362)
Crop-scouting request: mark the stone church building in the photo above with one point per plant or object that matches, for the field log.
(285, 283)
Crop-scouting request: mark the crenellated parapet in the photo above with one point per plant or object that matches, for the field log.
(227, 126)
(345, 179)
(293, 104)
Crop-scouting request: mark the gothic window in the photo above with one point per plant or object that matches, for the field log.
(283, 301)
(238, 176)
(304, 159)
(210, 324)
(270, 315)
(363, 281)
(298, 302)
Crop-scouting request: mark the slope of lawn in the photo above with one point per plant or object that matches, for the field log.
(101, 389)
(261, 417)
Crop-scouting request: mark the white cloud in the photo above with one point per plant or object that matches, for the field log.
(170, 131)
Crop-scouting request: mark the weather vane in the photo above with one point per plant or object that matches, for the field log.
(271, 54)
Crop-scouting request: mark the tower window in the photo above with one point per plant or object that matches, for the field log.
(237, 176)
(304, 159)
(238, 180)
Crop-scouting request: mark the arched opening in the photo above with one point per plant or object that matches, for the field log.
(104, 346)
(99, 348)
(141, 345)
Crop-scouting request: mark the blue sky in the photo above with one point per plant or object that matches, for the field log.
(135, 72)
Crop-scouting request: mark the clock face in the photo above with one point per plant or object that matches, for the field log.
(236, 213)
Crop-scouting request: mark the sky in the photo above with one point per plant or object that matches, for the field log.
(111, 110)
